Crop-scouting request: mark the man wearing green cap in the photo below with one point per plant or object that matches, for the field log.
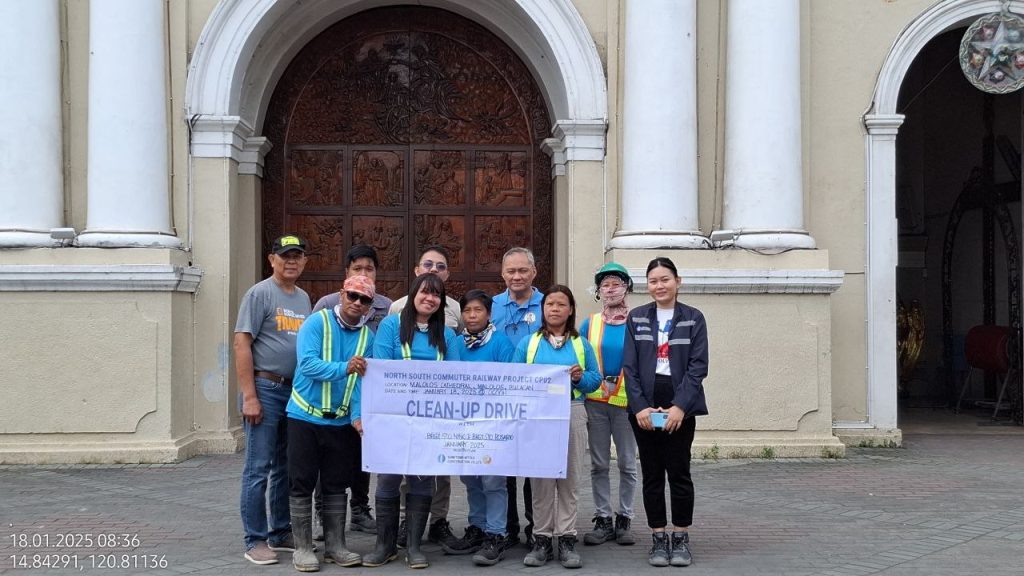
(265, 337)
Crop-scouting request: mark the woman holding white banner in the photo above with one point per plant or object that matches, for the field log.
(418, 333)
(487, 495)
(555, 501)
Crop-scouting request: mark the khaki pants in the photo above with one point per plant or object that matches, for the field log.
(555, 501)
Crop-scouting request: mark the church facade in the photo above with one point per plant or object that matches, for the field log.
(151, 149)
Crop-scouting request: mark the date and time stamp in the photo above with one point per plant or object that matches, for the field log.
(79, 551)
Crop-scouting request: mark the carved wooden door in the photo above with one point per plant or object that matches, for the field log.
(402, 127)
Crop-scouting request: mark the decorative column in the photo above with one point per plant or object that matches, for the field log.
(763, 207)
(659, 139)
(31, 171)
(129, 203)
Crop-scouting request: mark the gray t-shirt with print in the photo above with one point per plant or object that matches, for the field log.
(273, 316)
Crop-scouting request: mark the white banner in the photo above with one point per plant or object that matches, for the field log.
(465, 418)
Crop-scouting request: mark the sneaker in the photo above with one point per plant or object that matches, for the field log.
(540, 553)
(659, 550)
(287, 544)
(492, 550)
(468, 544)
(681, 549)
(603, 531)
(441, 533)
(623, 535)
(567, 553)
(261, 554)
(511, 541)
(403, 534)
(362, 520)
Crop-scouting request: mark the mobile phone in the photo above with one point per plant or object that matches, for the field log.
(658, 419)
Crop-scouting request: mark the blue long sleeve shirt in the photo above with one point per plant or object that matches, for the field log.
(388, 346)
(312, 371)
(566, 356)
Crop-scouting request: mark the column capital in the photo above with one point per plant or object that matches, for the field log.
(883, 124)
(581, 139)
(250, 160)
(556, 149)
(220, 137)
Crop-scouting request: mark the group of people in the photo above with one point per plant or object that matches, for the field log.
(637, 379)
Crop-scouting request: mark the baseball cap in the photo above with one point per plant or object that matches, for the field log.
(288, 242)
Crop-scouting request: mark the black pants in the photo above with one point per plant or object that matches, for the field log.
(663, 454)
(512, 519)
(320, 451)
(359, 491)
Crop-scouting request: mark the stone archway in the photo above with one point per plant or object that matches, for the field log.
(401, 127)
(882, 124)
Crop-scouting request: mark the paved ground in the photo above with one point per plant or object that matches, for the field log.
(940, 505)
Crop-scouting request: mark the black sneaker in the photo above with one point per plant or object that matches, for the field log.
(681, 549)
(540, 553)
(492, 551)
(403, 534)
(567, 553)
(603, 531)
(659, 550)
(470, 542)
(623, 535)
(510, 541)
(362, 520)
(441, 533)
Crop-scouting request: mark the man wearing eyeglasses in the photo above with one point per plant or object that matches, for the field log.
(360, 260)
(265, 338)
(517, 312)
(434, 260)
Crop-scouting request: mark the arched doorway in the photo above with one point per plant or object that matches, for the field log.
(405, 126)
(958, 191)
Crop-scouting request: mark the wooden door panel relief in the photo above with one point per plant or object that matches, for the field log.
(402, 127)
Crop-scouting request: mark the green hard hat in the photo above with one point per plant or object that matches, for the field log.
(612, 268)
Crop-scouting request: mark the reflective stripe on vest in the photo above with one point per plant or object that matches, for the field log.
(616, 396)
(407, 353)
(577, 345)
(326, 353)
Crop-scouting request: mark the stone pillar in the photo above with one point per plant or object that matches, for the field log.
(659, 139)
(31, 171)
(763, 207)
(128, 183)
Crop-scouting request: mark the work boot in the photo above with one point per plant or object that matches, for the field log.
(659, 550)
(441, 533)
(362, 520)
(468, 544)
(492, 550)
(387, 533)
(603, 531)
(681, 549)
(417, 510)
(540, 553)
(303, 559)
(623, 535)
(335, 549)
(403, 532)
(567, 553)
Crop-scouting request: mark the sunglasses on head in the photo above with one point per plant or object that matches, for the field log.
(354, 296)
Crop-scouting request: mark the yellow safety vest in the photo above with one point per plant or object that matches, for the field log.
(577, 345)
(407, 353)
(615, 396)
(326, 353)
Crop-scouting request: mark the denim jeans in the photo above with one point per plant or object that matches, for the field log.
(266, 458)
(488, 502)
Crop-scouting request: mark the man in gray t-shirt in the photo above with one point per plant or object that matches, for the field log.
(265, 337)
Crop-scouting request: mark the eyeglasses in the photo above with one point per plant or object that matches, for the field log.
(428, 264)
(354, 296)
